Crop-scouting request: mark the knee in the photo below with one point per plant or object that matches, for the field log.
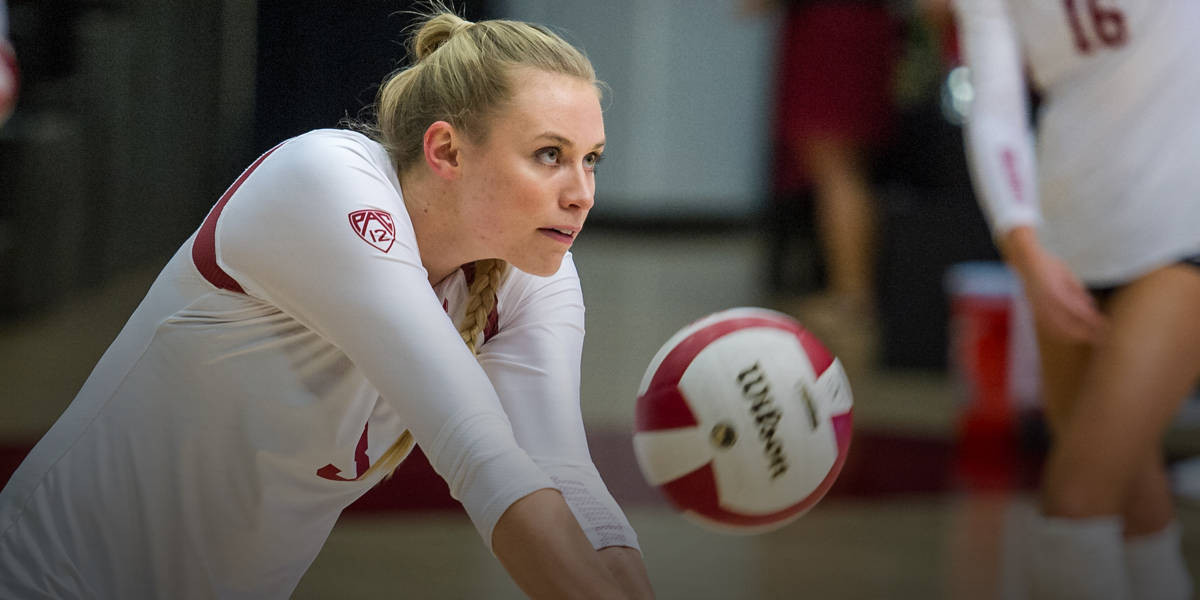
(1078, 494)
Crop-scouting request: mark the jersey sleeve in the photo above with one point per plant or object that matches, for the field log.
(534, 362)
(293, 235)
(999, 140)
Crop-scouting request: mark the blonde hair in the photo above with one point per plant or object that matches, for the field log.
(461, 74)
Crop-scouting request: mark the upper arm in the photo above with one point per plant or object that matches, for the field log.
(288, 236)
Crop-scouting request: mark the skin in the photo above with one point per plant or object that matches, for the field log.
(522, 194)
(1114, 377)
(846, 215)
(504, 197)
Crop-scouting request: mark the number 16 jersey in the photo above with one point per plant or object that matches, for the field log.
(1117, 188)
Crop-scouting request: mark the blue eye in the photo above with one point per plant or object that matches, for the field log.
(592, 160)
(548, 156)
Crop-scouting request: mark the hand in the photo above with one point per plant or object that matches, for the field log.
(1062, 306)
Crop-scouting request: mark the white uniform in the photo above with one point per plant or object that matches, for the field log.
(1118, 187)
(285, 347)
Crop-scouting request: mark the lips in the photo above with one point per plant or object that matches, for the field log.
(562, 234)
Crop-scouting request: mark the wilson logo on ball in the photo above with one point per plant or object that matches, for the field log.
(743, 420)
(757, 392)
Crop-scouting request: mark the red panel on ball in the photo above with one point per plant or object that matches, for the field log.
(818, 355)
(697, 491)
(664, 407)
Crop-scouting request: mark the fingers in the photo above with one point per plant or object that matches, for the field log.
(1069, 311)
(1061, 305)
(1082, 318)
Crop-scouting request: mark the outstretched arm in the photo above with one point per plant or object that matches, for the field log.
(534, 363)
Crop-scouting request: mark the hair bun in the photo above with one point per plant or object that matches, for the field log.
(437, 31)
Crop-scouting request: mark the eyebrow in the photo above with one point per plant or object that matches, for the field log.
(564, 141)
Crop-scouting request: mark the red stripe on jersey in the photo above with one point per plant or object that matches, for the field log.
(1014, 178)
(361, 462)
(493, 324)
(204, 249)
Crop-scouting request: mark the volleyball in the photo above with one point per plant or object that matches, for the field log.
(743, 420)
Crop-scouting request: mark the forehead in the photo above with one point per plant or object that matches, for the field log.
(542, 101)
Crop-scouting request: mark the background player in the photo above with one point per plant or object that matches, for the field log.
(9, 79)
(297, 344)
(1106, 241)
(833, 110)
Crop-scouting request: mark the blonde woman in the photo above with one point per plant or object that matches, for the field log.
(1102, 224)
(350, 295)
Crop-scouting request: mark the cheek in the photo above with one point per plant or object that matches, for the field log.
(525, 194)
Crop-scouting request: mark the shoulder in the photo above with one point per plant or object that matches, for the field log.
(311, 181)
(326, 150)
(325, 167)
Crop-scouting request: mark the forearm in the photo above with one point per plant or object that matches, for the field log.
(546, 553)
(1018, 246)
(628, 569)
(999, 141)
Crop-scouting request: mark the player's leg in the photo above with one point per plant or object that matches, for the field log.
(1153, 537)
(1063, 365)
(845, 216)
(1148, 504)
(1069, 558)
(1137, 377)
(843, 314)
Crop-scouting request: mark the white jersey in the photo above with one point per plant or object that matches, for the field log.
(282, 350)
(1118, 138)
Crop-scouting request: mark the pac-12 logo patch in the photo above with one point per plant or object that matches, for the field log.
(375, 227)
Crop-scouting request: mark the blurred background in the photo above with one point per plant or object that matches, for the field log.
(134, 115)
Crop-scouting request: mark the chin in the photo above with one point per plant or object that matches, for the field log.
(541, 268)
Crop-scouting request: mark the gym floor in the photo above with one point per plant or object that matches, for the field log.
(912, 516)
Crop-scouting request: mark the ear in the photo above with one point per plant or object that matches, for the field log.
(441, 144)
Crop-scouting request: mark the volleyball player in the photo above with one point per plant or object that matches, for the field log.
(1101, 222)
(350, 295)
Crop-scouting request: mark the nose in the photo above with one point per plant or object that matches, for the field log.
(580, 190)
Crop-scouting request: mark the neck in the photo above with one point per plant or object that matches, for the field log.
(431, 208)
